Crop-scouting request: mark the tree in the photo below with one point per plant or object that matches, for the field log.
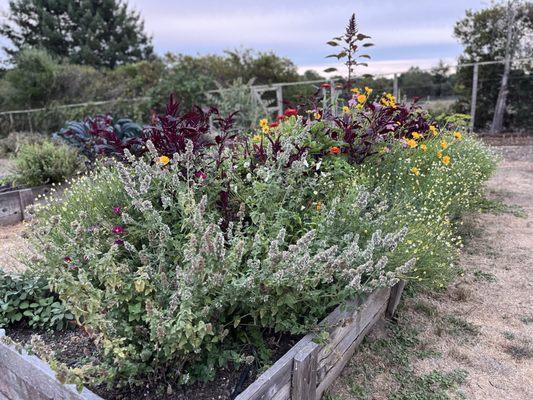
(32, 82)
(484, 35)
(87, 32)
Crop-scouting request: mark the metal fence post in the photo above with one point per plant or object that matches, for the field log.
(474, 97)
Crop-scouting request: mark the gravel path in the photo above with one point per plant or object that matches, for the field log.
(482, 325)
(6, 167)
(13, 246)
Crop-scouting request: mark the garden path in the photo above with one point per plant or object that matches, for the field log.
(475, 340)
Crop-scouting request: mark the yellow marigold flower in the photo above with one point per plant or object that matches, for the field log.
(346, 109)
(415, 171)
(433, 130)
(444, 144)
(439, 154)
(423, 147)
(263, 122)
(457, 135)
(446, 160)
(361, 98)
(355, 90)
(368, 90)
(265, 129)
(412, 143)
(416, 135)
(318, 206)
(164, 160)
(257, 138)
(317, 115)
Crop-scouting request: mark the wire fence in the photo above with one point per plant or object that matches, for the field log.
(467, 88)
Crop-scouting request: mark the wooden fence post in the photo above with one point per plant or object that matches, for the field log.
(279, 99)
(304, 373)
(394, 299)
(26, 198)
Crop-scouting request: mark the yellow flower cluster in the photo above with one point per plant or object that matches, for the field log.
(388, 100)
(263, 123)
(411, 143)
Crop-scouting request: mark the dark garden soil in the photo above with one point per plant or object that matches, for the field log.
(75, 348)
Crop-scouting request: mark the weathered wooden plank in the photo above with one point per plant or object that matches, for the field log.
(42, 190)
(27, 377)
(26, 198)
(272, 384)
(304, 373)
(334, 372)
(329, 355)
(394, 300)
(10, 212)
(276, 378)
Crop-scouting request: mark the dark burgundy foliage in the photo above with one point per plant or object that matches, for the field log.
(98, 135)
(380, 123)
(170, 131)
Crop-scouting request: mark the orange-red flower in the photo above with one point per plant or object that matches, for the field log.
(289, 112)
(334, 150)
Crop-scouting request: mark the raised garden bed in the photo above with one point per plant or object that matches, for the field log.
(13, 203)
(302, 373)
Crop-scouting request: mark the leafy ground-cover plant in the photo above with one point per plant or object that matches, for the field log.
(45, 162)
(26, 299)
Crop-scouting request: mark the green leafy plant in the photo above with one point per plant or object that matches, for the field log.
(27, 299)
(45, 162)
(349, 44)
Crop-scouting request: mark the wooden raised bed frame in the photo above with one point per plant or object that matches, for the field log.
(303, 373)
(13, 203)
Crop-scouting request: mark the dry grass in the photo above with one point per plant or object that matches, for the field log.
(475, 340)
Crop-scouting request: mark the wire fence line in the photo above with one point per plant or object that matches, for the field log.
(274, 101)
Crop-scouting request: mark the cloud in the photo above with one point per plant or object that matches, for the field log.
(384, 67)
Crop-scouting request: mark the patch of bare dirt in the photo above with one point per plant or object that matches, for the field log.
(483, 324)
(13, 247)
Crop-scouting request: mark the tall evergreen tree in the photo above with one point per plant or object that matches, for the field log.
(90, 32)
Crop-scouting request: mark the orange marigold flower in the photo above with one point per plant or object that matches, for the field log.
(334, 150)
(164, 160)
(412, 143)
(446, 160)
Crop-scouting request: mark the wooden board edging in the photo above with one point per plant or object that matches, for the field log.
(13, 203)
(23, 376)
(292, 377)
